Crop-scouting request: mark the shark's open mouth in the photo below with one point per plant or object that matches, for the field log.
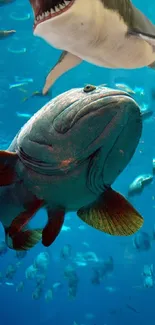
(47, 9)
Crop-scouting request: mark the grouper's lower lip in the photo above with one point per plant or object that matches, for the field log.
(42, 15)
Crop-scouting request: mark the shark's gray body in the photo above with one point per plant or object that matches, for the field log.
(107, 33)
(70, 151)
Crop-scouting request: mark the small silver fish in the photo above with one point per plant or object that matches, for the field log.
(16, 85)
(138, 184)
(25, 115)
(9, 283)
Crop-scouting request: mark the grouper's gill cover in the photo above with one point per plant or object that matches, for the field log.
(97, 129)
(122, 133)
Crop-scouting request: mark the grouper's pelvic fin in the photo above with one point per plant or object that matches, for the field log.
(54, 225)
(7, 171)
(112, 214)
(66, 62)
(23, 240)
(19, 238)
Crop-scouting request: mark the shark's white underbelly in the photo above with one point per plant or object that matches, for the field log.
(128, 53)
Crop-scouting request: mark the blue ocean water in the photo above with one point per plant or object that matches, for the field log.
(121, 298)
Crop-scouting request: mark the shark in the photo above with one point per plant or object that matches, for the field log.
(107, 33)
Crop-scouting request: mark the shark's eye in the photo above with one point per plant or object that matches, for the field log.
(89, 88)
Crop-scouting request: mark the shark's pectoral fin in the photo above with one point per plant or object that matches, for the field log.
(53, 227)
(149, 38)
(66, 62)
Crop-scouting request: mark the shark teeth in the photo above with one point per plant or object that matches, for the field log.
(54, 12)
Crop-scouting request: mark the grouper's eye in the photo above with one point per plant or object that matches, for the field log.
(89, 88)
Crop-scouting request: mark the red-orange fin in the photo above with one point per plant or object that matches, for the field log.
(112, 214)
(24, 217)
(7, 170)
(53, 227)
(24, 240)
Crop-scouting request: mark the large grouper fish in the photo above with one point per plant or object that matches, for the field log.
(107, 33)
(65, 158)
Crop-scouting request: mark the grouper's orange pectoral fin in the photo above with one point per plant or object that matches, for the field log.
(7, 167)
(112, 214)
(24, 217)
(53, 227)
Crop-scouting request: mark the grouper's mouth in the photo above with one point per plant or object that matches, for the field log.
(48, 9)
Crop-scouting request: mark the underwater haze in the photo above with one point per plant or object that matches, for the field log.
(86, 277)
